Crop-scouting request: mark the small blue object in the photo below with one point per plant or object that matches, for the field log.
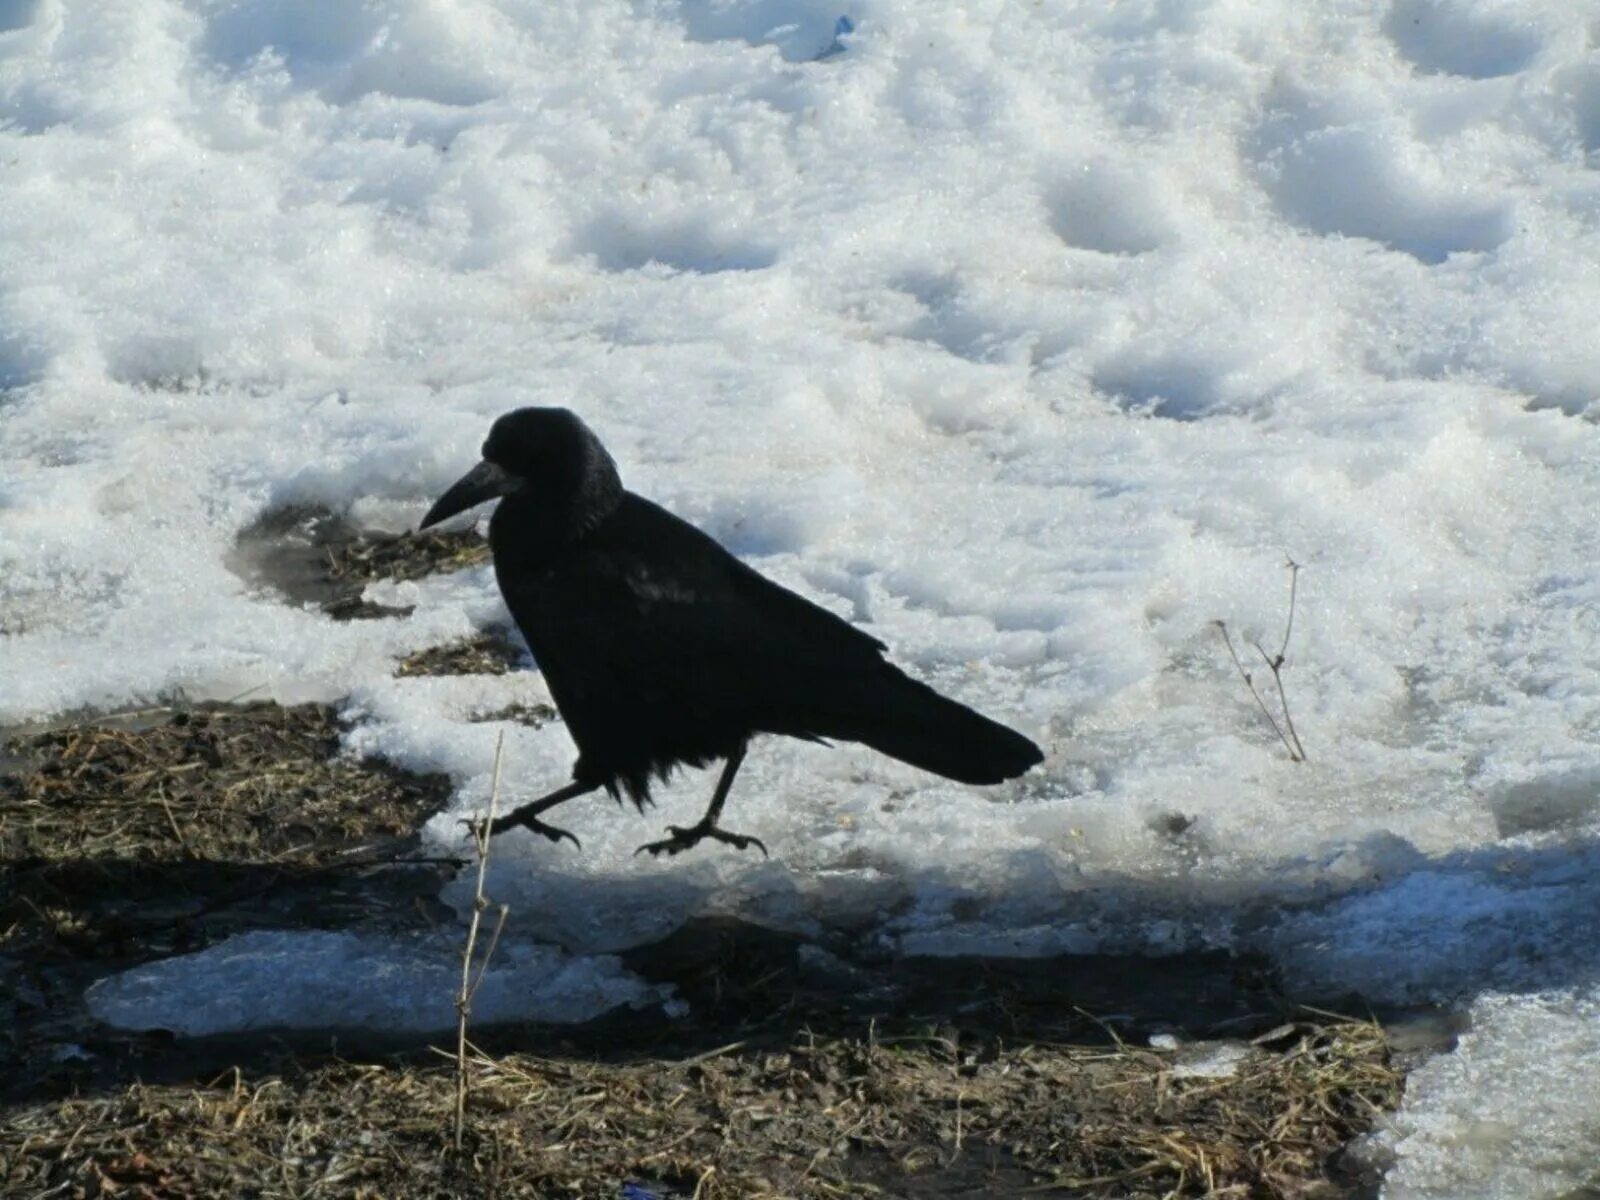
(637, 1191)
(843, 27)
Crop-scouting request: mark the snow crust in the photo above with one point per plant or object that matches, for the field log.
(1030, 337)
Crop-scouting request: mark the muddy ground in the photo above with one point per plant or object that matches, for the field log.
(797, 1073)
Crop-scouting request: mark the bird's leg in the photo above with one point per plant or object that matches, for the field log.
(528, 815)
(683, 838)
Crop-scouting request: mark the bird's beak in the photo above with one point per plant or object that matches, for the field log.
(484, 482)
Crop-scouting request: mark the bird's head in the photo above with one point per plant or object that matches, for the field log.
(547, 454)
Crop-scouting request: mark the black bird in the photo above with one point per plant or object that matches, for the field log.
(661, 648)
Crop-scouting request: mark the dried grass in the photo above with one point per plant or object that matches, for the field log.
(822, 1118)
(494, 652)
(365, 557)
(257, 783)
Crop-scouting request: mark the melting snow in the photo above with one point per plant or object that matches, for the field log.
(1029, 337)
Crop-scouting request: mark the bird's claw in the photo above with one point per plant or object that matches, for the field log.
(551, 832)
(513, 820)
(687, 838)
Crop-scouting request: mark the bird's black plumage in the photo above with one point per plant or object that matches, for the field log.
(660, 648)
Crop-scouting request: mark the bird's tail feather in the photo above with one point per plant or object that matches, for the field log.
(910, 721)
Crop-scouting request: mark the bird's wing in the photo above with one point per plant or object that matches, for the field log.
(658, 608)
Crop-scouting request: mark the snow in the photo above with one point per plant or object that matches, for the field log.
(1029, 337)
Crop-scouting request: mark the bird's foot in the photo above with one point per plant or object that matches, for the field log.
(686, 838)
(513, 819)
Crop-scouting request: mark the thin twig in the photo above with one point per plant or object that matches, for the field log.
(172, 821)
(1250, 683)
(1291, 739)
(956, 1153)
(249, 691)
(1294, 587)
(1275, 665)
(494, 940)
(480, 836)
(1288, 627)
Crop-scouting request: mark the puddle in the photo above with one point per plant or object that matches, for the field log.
(313, 556)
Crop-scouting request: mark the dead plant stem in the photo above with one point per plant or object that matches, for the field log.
(469, 984)
(1287, 734)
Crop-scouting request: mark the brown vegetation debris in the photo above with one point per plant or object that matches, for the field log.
(254, 783)
(818, 1118)
(368, 556)
(493, 652)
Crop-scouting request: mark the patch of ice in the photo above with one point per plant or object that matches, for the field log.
(1515, 920)
(1219, 1061)
(1511, 1114)
(344, 980)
